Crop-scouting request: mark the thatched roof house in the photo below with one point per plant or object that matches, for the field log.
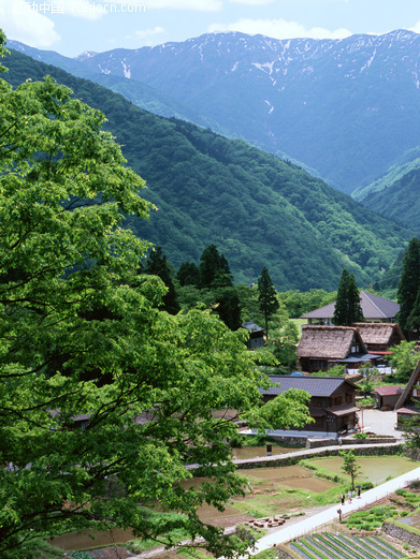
(406, 405)
(379, 336)
(375, 309)
(322, 347)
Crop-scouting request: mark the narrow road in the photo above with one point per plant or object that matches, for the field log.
(286, 534)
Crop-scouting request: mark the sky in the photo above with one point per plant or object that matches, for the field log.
(72, 27)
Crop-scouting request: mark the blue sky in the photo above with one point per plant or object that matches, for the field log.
(71, 27)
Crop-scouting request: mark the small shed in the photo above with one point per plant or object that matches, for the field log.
(387, 396)
(256, 335)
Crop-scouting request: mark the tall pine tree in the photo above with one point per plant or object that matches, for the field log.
(347, 305)
(267, 297)
(408, 287)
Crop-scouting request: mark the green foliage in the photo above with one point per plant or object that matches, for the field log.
(350, 466)
(257, 209)
(157, 265)
(81, 334)
(336, 371)
(361, 436)
(409, 284)
(404, 359)
(347, 308)
(297, 303)
(372, 518)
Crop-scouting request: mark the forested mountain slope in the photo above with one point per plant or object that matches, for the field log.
(257, 209)
(348, 108)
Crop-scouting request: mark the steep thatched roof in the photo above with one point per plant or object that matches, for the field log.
(378, 333)
(373, 307)
(402, 401)
(328, 342)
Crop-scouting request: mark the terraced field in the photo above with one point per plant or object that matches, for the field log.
(327, 546)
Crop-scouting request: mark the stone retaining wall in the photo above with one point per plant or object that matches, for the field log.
(319, 443)
(404, 534)
(297, 457)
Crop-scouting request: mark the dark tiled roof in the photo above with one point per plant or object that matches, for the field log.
(373, 307)
(316, 386)
(251, 326)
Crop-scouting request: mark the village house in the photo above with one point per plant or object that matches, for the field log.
(256, 335)
(387, 396)
(323, 347)
(379, 337)
(407, 404)
(375, 309)
(332, 405)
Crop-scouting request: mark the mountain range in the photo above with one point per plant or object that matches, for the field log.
(258, 210)
(346, 109)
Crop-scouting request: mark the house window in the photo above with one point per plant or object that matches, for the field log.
(355, 348)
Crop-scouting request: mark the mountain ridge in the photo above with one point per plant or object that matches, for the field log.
(346, 108)
(257, 209)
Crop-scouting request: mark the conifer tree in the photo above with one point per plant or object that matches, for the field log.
(347, 306)
(408, 287)
(214, 269)
(268, 303)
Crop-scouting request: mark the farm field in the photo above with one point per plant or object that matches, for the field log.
(328, 546)
(376, 469)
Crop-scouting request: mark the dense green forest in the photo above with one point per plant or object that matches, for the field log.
(257, 209)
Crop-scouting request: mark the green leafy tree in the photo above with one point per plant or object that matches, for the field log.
(285, 346)
(404, 359)
(267, 297)
(350, 466)
(347, 305)
(64, 194)
(409, 285)
(157, 264)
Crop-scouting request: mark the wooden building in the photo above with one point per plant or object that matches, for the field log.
(409, 401)
(375, 309)
(379, 337)
(256, 335)
(322, 347)
(332, 403)
(387, 396)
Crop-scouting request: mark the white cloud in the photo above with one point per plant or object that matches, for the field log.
(416, 28)
(252, 2)
(195, 5)
(279, 29)
(22, 23)
(148, 33)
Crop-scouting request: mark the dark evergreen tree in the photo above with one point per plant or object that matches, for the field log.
(340, 317)
(214, 269)
(408, 287)
(347, 305)
(267, 298)
(188, 274)
(157, 265)
(229, 308)
(355, 313)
